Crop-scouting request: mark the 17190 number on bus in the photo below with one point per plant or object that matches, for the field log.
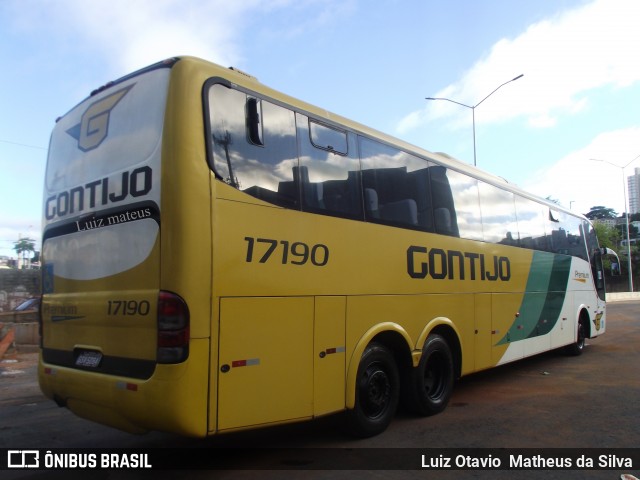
(264, 250)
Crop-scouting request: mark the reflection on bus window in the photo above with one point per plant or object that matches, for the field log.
(498, 215)
(292, 160)
(567, 236)
(531, 224)
(464, 190)
(327, 138)
(328, 178)
(265, 171)
(396, 186)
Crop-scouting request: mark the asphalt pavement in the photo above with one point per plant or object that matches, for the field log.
(589, 403)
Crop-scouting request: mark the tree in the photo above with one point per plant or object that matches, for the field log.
(23, 247)
(622, 228)
(608, 236)
(599, 212)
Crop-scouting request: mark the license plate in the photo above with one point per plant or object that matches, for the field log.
(88, 359)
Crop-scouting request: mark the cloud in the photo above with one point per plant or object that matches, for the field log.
(563, 58)
(411, 121)
(130, 34)
(69, 46)
(579, 182)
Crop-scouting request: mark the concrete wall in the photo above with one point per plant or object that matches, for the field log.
(16, 286)
(18, 330)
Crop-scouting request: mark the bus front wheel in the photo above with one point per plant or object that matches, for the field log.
(377, 392)
(430, 384)
(577, 348)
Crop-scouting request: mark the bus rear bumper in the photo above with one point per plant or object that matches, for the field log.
(173, 400)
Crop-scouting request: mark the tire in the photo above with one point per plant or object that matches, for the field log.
(377, 392)
(429, 385)
(577, 348)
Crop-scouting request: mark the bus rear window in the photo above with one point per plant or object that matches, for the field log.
(110, 132)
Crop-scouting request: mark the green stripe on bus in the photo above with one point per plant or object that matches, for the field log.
(542, 303)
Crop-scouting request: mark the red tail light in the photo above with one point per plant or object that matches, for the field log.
(173, 328)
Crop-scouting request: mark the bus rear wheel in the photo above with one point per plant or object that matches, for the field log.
(430, 384)
(377, 392)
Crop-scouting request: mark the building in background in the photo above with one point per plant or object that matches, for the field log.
(633, 185)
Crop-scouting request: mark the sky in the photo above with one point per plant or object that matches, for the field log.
(373, 61)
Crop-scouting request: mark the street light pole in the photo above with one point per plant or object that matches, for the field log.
(473, 110)
(626, 208)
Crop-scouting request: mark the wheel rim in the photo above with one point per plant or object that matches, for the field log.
(375, 391)
(435, 376)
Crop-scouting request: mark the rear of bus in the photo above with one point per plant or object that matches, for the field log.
(118, 343)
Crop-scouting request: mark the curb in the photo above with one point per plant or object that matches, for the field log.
(622, 296)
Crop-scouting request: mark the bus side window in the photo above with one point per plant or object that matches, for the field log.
(254, 121)
(531, 224)
(328, 138)
(596, 253)
(396, 186)
(254, 145)
(499, 223)
(329, 170)
(444, 211)
(567, 236)
(466, 204)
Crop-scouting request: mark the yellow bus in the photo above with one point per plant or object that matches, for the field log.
(220, 256)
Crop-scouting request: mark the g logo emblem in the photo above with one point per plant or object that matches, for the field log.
(94, 125)
(597, 322)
